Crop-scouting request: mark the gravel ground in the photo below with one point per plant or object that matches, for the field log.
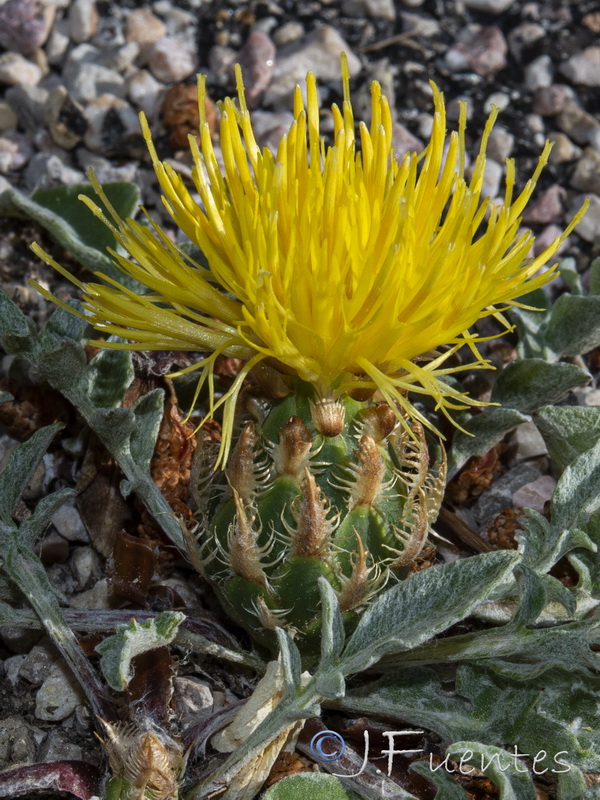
(75, 75)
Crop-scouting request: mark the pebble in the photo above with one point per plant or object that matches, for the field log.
(544, 239)
(492, 178)
(65, 119)
(83, 20)
(539, 73)
(8, 118)
(144, 91)
(107, 171)
(576, 123)
(526, 442)
(69, 524)
(99, 596)
(58, 696)
(500, 494)
(15, 152)
(489, 6)
(583, 68)
(269, 127)
(550, 100)
(172, 59)
(257, 59)
(535, 494)
(46, 170)
(25, 24)
(29, 103)
(15, 70)
(37, 663)
(589, 227)
(550, 207)
(18, 742)
(499, 100)
(114, 127)
(318, 51)
(288, 32)
(563, 149)
(586, 177)
(404, 141)
(479, 49)
(56, 46)
(419, 25)
(93, 80)
(523, 36)
(378, 9)
(193, 700)
(500, 144)
(56, 748)
(86, 566)
(144, 28)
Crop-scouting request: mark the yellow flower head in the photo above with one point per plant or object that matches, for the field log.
(342, 264)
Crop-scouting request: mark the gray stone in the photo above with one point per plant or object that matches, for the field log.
(583, 68)
(256, 58)
(500, 144)
(56, 46)
(404, 141)
(378, 9)
(68, 523)
(535, 494)
(500, 100)
(489, 6)
(550, 100)
(539, 73)
(57, 748)
(172, 59)
(289, 32)
(18, 71)
(58, 696)
(113, 126)
(64, 118)
(318, 51)
(37, 663)
(576, 123)
(8, 118)
(47, 170)
(85, 564)
(419, 25)
(193, 700)
(586, 177)
(99, 596)
(544, 239)
(523, 36)
(499, 495)
(15, 151)
(83, 20)
(549, 207)
(589, 227)
(18, 743)
(479, 49)
(492, 178)
(144, 28)
(120, 58)
(28, 102)
(563, 149)
(105, 170)
(93, 80)
(144, 91)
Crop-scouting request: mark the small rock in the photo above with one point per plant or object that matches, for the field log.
(119, 58)
(548, 208)
(19, 640)
(12, 667)
(18, 71)
(256, 58)
(419, 25)
(500, 144)
(479, 49)
(221, 60)
(58, 696)
(550, 100)
(144, 91)
(589, 227)
(270, 126)
(114, 128)
(99, 596)
(83, 20)
(57, 748)
(535, 494)
(65, 119)
(46, 170)
(586, 177)
(37, 663)
(25, 24)
(539, 73)
(144, 28)
(93, 80)
(576, 123)
(15, 152)
(587, 396)
(523, 37)
(526, 442)
(17, 742)
(56, 46)
(8, 118)
(85, 564)
(544, 239)
(499, 495)
(318, 51)
(68, 523)
(492, 178)
(563, 149)
(288, 32)
(28, 102)
(583, 68)
(489, 6)
(107, 171)
(425, 122)
(193, 700)
(404, 141)
(172, 59)
(378, 9)
(498, 99)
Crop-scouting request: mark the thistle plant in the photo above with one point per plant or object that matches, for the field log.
(344, 279)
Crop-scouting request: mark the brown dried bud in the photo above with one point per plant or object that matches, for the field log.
(271, 382)
(378, 421)
(241, 471)
(328, 416)
(368, 473)
(291, 454)
(356, 588)
(313, 529)
(244, 552)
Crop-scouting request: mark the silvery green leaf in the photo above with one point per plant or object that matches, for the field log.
(543, 543)
(504, 769)
(568, 431)
(332, 626)
(576, 496)
(569, 274)
(330, 684)
(32, 529)
(16, 330)
(20, 466)
(595, 276)
(63, 325)
(530, 324)
(425, 604)
(486, 429)
(148, 411)
(574, 325)
(109, 374)
(447, 787)
(290, 660)
(532, 383)
(305, 785)
(130, 640)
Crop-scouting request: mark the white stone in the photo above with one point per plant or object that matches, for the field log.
(69, 524)
(143, 90)
(172, 59)
(15, 151)
(589, 227)
(83, 20)
(489, 6)
(539, 73)
(15, 70)
(583, 68)
(58, 696)
(500, 144)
